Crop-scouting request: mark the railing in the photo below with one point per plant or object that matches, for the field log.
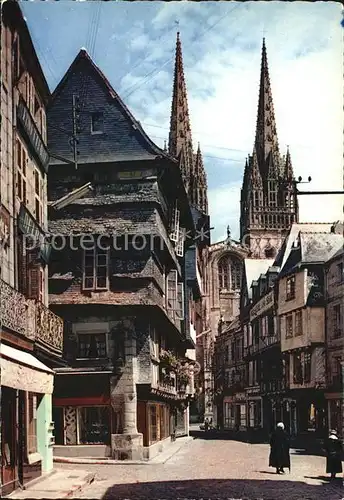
(271, 386)
(49, 327)
(29, 318)
(14, 311)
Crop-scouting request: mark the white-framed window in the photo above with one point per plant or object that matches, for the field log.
(290, 287)
(180, 301)
(97, 123)
(174, 235)
(95, 269)
(171, 289)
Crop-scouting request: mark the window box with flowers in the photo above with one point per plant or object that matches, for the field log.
(168, 361)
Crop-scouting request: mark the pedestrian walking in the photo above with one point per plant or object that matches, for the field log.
(334, 454)
(279, 449)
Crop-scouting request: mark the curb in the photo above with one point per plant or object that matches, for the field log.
(99, 461)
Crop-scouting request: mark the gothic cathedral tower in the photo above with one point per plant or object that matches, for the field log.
(180, 139)
(268, 194)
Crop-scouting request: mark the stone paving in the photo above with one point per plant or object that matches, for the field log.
(213, 469)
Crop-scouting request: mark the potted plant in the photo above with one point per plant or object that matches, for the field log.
(183, 381)
(168, 360)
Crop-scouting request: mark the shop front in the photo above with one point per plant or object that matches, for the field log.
(234, 412)
(26, 427)
(335, 412)
(83, 416)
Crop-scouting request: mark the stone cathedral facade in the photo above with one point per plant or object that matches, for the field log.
(268, 207)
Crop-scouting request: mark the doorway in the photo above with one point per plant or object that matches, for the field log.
(9, 440)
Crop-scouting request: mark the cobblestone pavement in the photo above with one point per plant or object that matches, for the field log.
(214, 469)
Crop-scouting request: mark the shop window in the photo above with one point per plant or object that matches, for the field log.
(152, 424)
(297, 372)
(96, 269)
(243, 415)
(94, 425)
(31, 411)
(92, 345)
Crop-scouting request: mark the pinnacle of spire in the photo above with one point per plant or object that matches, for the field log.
(180, 131)
(199, 183)
(266, 141)
(255, 175)
(288, 167)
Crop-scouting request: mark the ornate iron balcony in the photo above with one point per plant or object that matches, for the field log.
(14, 311)
(49, 327)
(30, 318)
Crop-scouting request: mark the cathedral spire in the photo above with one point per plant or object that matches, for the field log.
(266, 142)
(198, 186)
(180, 139)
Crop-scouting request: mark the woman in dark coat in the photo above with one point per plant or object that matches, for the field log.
(334, 451)
(279, 452)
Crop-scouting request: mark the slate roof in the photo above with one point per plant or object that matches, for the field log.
(125, 140)
(253, 269)
(306, 227)
(319, 247)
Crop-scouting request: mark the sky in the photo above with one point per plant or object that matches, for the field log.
(133, 43)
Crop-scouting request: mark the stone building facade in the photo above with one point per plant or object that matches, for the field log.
(31, 335)
(334, 291)
(301, 315)
(129, 301)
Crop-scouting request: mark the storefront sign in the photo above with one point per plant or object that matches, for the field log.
(253, 391)
(266, 303)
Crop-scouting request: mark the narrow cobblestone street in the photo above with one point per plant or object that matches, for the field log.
(214, 469)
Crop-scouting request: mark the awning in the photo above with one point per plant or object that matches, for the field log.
(21, 370)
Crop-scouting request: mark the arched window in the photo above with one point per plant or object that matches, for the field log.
(224, 273)
(229, 273)
(236, 275)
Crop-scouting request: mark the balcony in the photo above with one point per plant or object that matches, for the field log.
(30, 319)
(272, 386)
(31, 131)
(49, 328)
(14, 311)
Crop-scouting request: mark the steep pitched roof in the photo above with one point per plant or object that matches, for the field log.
(140, 145)
(319, 247)
(305, 227)
(253, 269)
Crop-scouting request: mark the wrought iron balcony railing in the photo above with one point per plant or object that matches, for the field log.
(29, 318)
(49, 327)
(14, 311)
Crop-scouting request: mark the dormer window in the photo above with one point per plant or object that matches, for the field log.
(97, 123)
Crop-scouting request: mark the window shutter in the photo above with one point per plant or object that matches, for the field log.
(172, 291)
(180, 301)
(180, 242)
(174, 236)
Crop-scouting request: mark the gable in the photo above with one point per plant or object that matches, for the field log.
(123, 138)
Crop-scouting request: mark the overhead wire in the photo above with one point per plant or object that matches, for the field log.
(158, 70)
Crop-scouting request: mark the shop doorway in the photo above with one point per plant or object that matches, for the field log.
(9, 440)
